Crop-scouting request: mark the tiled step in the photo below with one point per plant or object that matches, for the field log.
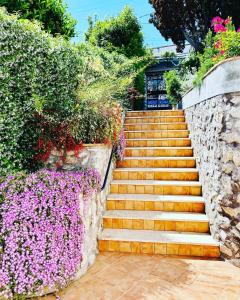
(156, 187)
(149, 113)
(157, 162)
(155, 126)
(155, 134)
(156, 119)
(156, 220)
(167, 142)
(190, 174)
(157, 242)
(159, 151)
(156, 202)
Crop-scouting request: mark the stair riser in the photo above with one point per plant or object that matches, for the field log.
(141, 175)
(155, 113)
(141, 163)
(158, 152)
(155, 206)
(141, 224)
(156, 127)
(159, 143)
(156, 134)
(155, 189)
(159, 248)
(155, 120)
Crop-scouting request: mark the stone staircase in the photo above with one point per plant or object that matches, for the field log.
(155, 204)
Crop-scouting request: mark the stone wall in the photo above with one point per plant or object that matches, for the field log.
(94, 156)
(214, 126)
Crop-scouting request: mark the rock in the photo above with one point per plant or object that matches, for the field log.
(236, 158)
(226, 251)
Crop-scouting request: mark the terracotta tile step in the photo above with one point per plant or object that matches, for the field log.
(190, 174)
(159, 151)
(156, 220)
(157, 162)
(155, 113)
(156, 119)
(156, 202)
(167, 142)
(154, 134)
(156, 126)
(156, 187)
(157, 242)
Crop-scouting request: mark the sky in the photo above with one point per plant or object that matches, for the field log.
(81, 9)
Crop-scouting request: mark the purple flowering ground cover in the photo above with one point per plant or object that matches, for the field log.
(41, 232)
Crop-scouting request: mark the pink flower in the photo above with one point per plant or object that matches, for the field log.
(228, 21)
(217, 20)
(218, 44)
(222, 52)
(219, 28)
(238, 29)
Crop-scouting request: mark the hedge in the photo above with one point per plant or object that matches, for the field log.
(37, 72)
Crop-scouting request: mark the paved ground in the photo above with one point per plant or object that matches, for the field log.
(117, 276)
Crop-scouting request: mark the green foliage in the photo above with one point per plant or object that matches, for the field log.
(51, 13)
(168, 54)
(173, 86)
(37, 73)
(218, 47)
(121, 34)
(107, 76)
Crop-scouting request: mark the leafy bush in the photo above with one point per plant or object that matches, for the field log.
(54, 94)
(121, 34)
(173, 86)
(51, 13)
(41, 231)
(37, 73)
(224, 44)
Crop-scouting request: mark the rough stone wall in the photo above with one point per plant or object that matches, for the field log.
(214, 126)
(93, 156)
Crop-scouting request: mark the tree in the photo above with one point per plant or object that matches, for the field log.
(189, 20)
(121, 34)
(51, 13)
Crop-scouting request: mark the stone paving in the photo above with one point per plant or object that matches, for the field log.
(119, 276)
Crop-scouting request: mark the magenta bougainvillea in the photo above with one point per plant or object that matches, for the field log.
(41, 232)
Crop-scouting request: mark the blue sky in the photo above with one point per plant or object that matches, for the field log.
(81, 9)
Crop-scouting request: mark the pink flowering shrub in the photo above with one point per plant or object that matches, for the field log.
(226, 40)
(222, 43)
(41, 232)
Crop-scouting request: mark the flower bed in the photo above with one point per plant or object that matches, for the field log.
(41, 231)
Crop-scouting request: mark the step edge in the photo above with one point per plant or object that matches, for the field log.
(164, 233)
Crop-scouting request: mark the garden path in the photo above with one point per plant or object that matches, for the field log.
(120, 276)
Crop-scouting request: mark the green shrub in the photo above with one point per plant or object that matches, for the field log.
(38, 72)
(52, 14)
(173, 86)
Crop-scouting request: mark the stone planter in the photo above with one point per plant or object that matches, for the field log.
(213, 116)
(92, 156)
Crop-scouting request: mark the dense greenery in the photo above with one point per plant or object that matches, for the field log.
(189, 20)
(173, 86)
(56, 95)
(51, 13)
(121, 34)
(37, 73)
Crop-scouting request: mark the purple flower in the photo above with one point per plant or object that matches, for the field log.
(41, 231)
